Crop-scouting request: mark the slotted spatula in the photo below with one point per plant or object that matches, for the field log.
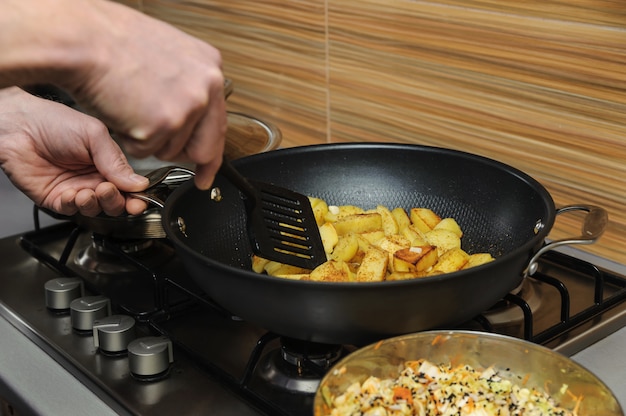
(280, 223)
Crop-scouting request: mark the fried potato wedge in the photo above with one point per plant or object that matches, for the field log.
(336, 212)
(424, 219)
(451, 261)
(415, 236)
(298, 276)
(400, 265)
(329, 237)
(320, 209)
(332, 271)
(429, 258)
(346, 248)
(373, 237)
(393, 243)
(478, 259)
(401, 217)
(258, 263)
(373, 267)
(444, 240)
(422, 258)
(449, 224)
(390, 226)
(359, 223)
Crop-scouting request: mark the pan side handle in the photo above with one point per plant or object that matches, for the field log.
(594, 224)
(149, 198)
(163, 176)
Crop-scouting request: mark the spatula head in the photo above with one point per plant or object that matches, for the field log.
(282, 227)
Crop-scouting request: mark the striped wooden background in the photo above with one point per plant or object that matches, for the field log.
(538, 84)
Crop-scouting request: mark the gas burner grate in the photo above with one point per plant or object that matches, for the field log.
(606, 290)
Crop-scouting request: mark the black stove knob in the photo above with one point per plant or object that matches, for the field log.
(84, 311)
(60, 292)
(113, 333)
(150, 357)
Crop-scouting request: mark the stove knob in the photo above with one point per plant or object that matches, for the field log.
(60, 292)
(84, 311)
(150, 357)
(113, 333)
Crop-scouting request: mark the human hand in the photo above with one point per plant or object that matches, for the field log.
(160, 90)
(64, 160)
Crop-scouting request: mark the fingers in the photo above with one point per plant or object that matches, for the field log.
(205, 174)
(105, 198)
(87, 203)
(113, 203)
(109, 199)
(206, 146)
(83, 201)
(66, 205)
(135, 206)
(111, 162)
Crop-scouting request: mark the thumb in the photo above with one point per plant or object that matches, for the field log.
(113, 165)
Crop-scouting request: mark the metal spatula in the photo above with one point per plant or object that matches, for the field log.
(281, 224)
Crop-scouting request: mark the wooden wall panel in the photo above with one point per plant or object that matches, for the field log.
(524, 84)
(536, 84)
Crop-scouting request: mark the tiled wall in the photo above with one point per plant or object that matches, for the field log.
(540, 85)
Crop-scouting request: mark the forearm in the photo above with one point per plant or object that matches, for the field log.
(51, 41)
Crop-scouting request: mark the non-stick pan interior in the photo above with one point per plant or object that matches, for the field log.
(497, 206)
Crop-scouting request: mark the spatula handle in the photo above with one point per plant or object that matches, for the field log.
(237, 179)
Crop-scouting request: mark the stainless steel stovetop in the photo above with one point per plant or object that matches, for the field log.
(222, 365)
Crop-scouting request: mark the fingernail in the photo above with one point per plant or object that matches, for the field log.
(138, 133)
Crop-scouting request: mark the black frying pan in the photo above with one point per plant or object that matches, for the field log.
(500, 209)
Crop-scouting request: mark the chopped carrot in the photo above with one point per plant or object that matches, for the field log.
(378, 344)
(546, 386)
(525, 379)
(579, 399)
(403, 393)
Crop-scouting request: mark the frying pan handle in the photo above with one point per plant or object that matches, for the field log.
(594, 224)
(149, 198)
(166, 175)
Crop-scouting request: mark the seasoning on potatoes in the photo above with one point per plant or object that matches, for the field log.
(381, 244)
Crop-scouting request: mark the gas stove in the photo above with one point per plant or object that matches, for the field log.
(161, 346)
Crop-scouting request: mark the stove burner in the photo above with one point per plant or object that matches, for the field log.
(299, 366)
(507, 313)
(98, 258)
